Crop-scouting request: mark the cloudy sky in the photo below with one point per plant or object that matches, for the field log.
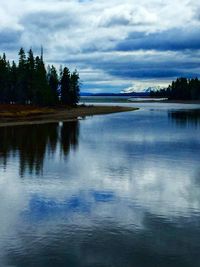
(114, 44)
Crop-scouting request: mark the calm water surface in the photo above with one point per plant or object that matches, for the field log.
(117, 190)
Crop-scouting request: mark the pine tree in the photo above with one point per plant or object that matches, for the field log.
(3, 79)
(28, 82)
(30, 76)
(42, 94)
(65, 87)
(22, 78)
(194, 87)
(53, 83)
(75, 88)
(13, 82)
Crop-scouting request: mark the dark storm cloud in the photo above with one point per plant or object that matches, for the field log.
(144, 66)
(9, 39)
(149, 70)
(169, 40)
(173, 39)
(150, 74)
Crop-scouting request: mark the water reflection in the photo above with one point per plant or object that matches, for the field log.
(129, 196)
(186, 117)
(162, 244)
(30, 143)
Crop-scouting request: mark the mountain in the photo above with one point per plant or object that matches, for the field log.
(139, 91)
(131, 94)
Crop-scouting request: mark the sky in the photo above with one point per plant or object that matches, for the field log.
(115, 45)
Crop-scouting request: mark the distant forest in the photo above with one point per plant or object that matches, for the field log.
(30, 82)
(181, 89)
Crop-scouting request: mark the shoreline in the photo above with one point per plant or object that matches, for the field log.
(56, 115)
(166, 101)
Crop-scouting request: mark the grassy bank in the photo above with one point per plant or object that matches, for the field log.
(25, 114)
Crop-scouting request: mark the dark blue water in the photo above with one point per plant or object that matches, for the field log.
(113, 190)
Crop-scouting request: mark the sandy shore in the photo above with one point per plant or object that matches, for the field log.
(56, 115)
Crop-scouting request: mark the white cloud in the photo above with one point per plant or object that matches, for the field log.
(81, 29)
(127, 15)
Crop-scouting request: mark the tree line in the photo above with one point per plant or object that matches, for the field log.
(30, 82)
(181, 89)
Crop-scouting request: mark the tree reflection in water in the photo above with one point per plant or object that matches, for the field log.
(186, 117)
(31, 143)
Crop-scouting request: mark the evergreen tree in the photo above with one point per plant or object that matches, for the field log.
(65, 87)
(4, 75)
(53, 83)
(22, 78)
(28, 82)
(42, 94)
(30, 76)
(75, 88)
(13, 82)
(181, 89)
(194, 87)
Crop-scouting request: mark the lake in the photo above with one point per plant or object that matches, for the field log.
(114, 190)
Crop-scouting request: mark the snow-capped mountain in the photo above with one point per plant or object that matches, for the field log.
(140, 89)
